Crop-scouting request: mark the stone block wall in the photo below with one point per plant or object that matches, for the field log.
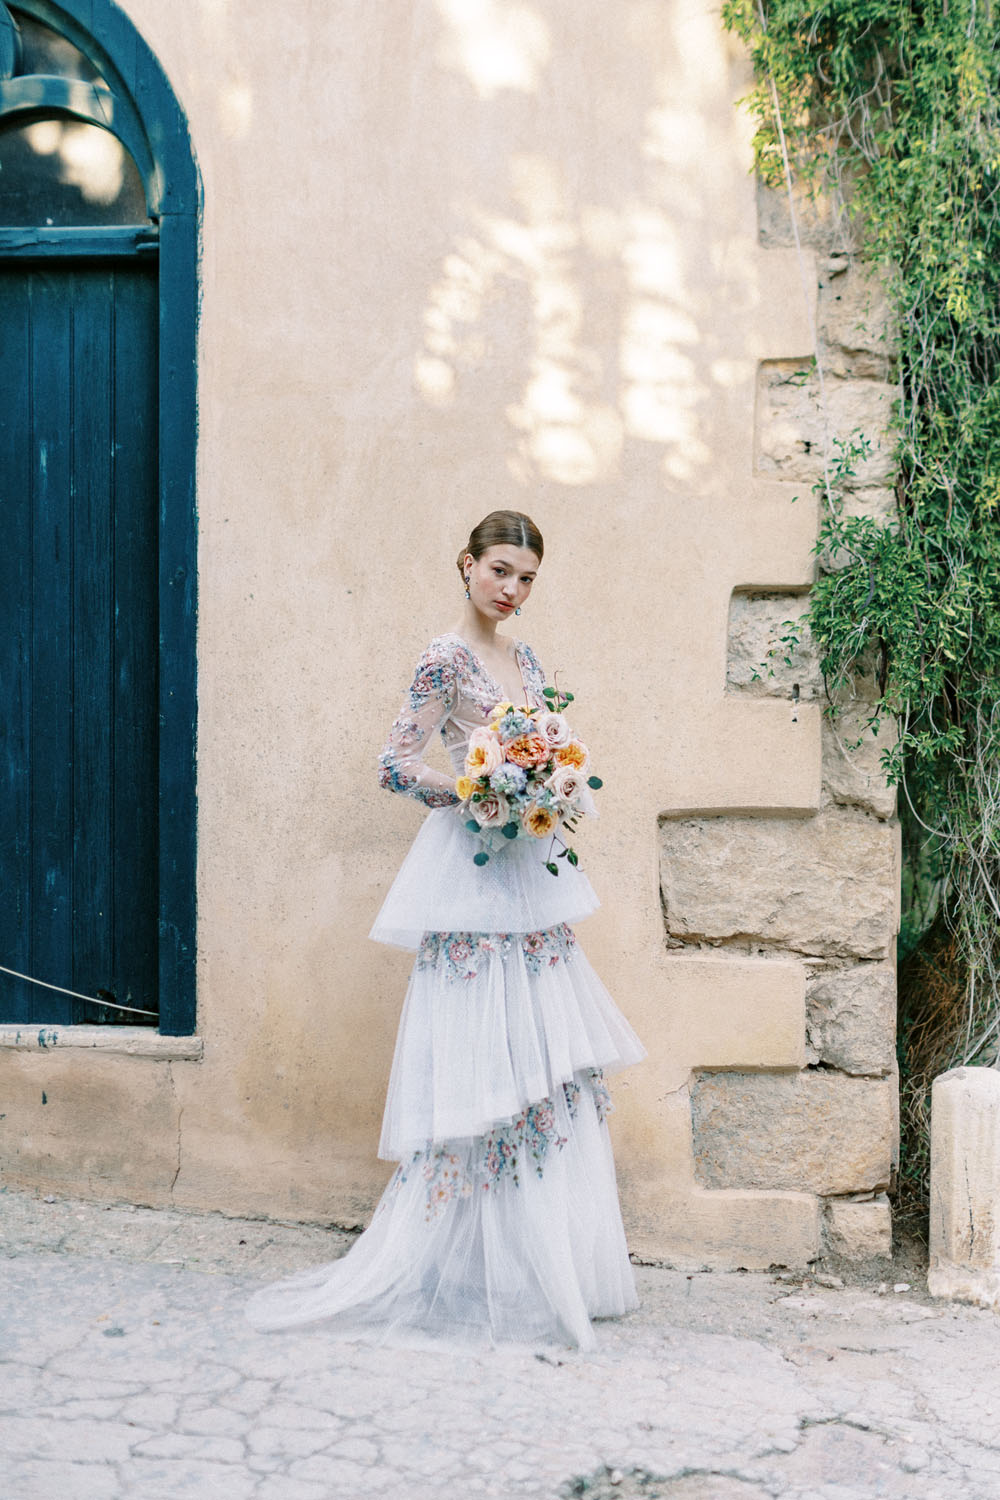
(818, 891)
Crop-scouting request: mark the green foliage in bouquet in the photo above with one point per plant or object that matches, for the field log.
(544, 806)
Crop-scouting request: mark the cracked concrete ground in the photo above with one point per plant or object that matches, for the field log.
(126, 1370)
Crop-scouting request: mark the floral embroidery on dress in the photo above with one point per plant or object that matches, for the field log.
(430, 700)
(534, 676)
(534, 1132)
(543, 949)
(452, 692)
(602, 1095)
(599, 1091)
(508, 1150)
(571, 1093)
(443, 1172)
(496, 1158)
(463, 954)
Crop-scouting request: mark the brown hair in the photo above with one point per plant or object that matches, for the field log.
(502, 526)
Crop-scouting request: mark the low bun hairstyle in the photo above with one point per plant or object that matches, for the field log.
(499, 527)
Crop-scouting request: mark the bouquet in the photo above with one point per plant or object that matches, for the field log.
(526, 777)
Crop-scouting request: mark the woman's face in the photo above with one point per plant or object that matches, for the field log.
(501, 579)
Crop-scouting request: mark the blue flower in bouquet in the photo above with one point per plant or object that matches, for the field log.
(512, 723)
(509, 780)
(544, 796)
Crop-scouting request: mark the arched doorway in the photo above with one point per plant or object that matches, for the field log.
(98, 242)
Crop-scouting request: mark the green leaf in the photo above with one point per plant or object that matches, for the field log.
(595, 782)
(552, 867)
(571, 855)
(472, 825)
(509, 830)
(481, 858)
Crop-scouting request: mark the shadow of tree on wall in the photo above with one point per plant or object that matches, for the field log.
(603, 234)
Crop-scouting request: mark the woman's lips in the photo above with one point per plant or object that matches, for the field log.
(502, 604)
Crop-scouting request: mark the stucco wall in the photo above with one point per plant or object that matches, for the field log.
(458, 256)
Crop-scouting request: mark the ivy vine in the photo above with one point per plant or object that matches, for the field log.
(891, 111)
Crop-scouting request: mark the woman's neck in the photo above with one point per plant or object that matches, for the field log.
(481, 632)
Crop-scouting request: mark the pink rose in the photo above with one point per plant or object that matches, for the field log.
(570, 786)
(491, 811)
(554, 729)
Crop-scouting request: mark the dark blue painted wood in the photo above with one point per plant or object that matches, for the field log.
(125, 120)
(52, 242)
(52, 706)
(152, 125)
(10, 44)
(135, 646)
(87, 416)
(15, 639)
(94, 603)
(178, 599)
(148, 110)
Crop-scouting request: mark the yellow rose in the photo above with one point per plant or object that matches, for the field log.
(498, 712)
(573, 754)
(464, 787)
(538, 821)
(485, 753)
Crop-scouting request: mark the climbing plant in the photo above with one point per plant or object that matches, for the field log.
(890, 112)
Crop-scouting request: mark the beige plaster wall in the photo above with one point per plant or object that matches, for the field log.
(457, 256)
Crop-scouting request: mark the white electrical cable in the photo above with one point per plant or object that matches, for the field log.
(73, 994)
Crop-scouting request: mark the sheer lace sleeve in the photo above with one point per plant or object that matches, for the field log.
(431, 699)
(534, 677)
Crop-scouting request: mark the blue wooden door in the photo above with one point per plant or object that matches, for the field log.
(78, 635)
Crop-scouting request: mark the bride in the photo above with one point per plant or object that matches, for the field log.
(501, 1221)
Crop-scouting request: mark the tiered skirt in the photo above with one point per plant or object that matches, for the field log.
(501, 1221)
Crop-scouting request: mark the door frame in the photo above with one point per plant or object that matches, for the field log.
(146, 116)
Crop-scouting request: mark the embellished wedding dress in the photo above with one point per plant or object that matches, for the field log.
(501, 1221)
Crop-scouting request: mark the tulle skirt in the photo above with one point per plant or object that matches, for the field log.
(501, 1221)
(438, 888)
(515, 1236)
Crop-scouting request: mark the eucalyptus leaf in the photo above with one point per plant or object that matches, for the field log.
(481, 858)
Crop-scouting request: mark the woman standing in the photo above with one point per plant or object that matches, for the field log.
(502, 1218)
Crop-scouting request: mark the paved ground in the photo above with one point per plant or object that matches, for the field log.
(126, 1370)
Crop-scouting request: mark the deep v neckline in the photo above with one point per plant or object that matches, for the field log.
(501, 691)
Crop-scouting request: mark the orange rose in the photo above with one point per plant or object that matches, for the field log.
(538, 821)
(573, 754)
(527, 750)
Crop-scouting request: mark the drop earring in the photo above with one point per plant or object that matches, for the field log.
(467, 594)
(518, 610)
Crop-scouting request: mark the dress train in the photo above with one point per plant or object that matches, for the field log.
(501, 1221)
